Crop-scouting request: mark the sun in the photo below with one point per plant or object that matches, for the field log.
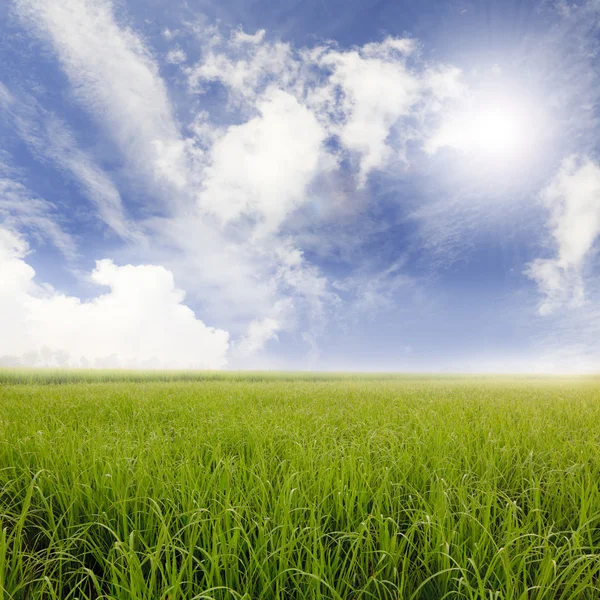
(491, 128)
(497, 130)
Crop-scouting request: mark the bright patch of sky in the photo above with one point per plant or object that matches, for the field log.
(318, 185)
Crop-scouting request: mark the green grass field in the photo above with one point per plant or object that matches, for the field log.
(180, 486)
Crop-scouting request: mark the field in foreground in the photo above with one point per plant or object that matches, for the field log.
(292, 487)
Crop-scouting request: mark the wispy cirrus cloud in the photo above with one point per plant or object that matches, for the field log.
(116, 79)
(23, 211)
(50, 139)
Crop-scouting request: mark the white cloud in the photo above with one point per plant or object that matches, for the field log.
(260, 331)
(375, 293)
(573, 201)
(169, 34)
(116, 78)
(263, 167)
(140, 322)
(230, 277)
(98, 187)
(310, 289)
(245, 65)
(51, 139)
(240, 37)
(20, 209)
(5, 96)
(371, 95)
(359, 95)
(245, 279)
(176, 57)
(370, 90)
(446, 83)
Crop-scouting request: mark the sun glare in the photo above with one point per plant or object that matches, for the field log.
(495, 130)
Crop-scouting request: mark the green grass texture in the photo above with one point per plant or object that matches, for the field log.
(181, 486)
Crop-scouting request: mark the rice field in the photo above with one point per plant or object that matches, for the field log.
(173, 486)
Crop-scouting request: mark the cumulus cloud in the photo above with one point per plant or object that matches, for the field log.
(140, 322)
(573, 201)
(255, 169)
(374, 99)
(245, 64)
(369, 90)
(359, 96)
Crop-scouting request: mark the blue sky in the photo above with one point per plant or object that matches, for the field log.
(352, 185)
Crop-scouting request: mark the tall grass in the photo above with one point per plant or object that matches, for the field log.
(291, 488)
